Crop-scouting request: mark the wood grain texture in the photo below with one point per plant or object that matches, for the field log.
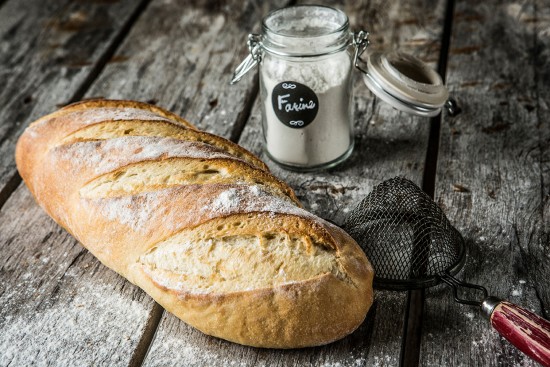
(48, 50)
(389, 143)
(492, 177)
(59, 305)
(181, 55)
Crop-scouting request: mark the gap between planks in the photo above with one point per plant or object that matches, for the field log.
(244, 115)
(148, 336)
(153, 322)
(9, 188)
(412, 325)
(157, 311)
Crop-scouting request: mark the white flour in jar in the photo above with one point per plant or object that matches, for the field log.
(329, 135)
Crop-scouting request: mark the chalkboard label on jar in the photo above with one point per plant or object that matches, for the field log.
(295, 104)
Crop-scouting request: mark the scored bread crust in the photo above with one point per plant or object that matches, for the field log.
(115, 103)
(76, 117)
(232, 254)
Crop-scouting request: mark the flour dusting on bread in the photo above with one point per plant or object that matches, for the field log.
(118, 152)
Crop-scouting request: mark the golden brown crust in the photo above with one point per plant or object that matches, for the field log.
(117, 103)
(166, 129)
(295, 315)
(121, 229)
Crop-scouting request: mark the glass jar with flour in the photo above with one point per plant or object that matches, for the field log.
(306, 55)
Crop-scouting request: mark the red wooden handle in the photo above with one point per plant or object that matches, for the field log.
(530, 333)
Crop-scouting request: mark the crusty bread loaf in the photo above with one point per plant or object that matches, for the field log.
(196, 221)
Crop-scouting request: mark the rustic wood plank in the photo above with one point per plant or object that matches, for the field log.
(388, 144)
(182, 56)
(60, 306)
(493, 176)
(49, 50)
(542, 77)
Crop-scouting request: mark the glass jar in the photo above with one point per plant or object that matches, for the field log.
(306, 54)
(305, 86)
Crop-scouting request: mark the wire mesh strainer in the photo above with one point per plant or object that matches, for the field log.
(406, 236)
(411, 244)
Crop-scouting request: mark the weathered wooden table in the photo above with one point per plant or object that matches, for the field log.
(488, 167)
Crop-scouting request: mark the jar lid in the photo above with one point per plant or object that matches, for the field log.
(405, 82)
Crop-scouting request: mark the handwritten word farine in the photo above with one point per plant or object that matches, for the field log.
(283, 103)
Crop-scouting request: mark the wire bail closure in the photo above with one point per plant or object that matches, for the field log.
(361, 43)
(254, 57)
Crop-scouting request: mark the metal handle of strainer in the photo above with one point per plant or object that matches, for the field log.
(526, 330)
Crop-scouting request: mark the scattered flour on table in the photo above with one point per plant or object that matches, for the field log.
(190, 348)
(516, 292)
(98, 326)
(380, 361)
(176, 341)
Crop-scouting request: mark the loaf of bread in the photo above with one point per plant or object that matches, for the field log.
(197, 222)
